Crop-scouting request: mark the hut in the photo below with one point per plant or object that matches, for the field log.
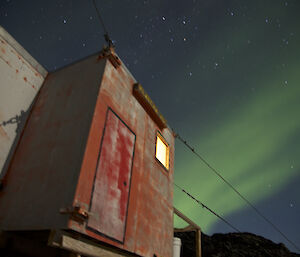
(94, 165)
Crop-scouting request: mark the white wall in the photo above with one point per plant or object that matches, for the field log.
(20, 79)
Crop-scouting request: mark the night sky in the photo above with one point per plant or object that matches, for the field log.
(226, 76)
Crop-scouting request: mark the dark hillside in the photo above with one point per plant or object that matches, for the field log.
(233, 245)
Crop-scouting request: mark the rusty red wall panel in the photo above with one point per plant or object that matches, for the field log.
(112, 181)
(149, 228)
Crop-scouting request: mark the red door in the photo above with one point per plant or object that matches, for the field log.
(109, 201)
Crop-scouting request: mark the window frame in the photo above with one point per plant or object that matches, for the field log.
(158, 134)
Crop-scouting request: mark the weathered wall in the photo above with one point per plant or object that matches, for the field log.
(20, 79)
(48, 158)
(149, 225)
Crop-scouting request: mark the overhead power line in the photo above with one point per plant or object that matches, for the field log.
(235, 190)
(207, 208)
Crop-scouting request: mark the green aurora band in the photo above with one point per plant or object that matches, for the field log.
(252, 151)
(254, 144)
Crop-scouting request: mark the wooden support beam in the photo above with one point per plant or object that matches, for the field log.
(82, 246)
(186, 229)
(198, 243)
(192, 227)
(186, 219)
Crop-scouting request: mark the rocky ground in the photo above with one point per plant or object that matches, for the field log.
(233, 245)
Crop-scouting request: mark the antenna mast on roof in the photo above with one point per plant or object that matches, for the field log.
(106, 36)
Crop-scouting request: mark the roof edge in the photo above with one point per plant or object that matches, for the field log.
(13, 43)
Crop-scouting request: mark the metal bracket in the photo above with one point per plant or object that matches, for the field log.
(76, 212)
(109, 53)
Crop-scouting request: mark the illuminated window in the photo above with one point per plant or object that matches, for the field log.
(162, 151)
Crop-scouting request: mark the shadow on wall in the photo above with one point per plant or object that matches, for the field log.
(20, 120)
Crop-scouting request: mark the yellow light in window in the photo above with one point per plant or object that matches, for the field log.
(162, 151)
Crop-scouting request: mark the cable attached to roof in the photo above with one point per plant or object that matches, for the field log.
(235, 190)
(106, 36)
